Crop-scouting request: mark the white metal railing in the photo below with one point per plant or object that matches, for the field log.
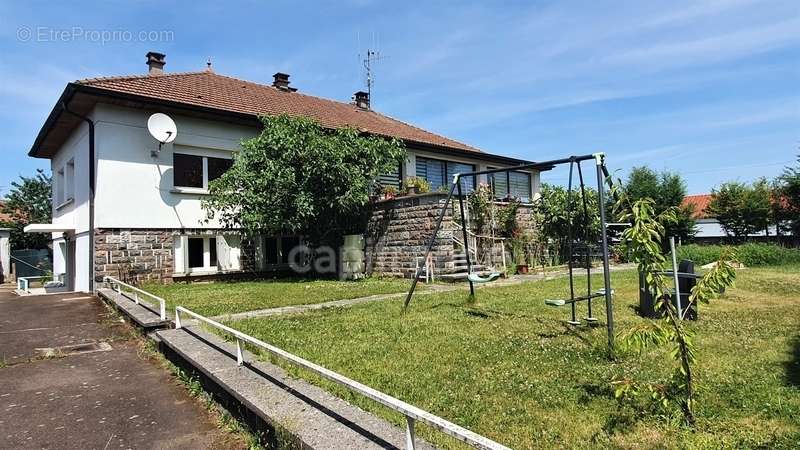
(117, 286)
(427, 265)
(24, 283)
(412, 413)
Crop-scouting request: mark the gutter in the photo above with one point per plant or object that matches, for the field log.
(89, 121)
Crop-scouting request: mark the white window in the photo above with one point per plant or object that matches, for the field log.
(206, 254)
(195, 172)
(58, 188)
(69, 181)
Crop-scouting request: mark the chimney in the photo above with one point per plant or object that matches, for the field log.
(361, 99)
(155, 61)
(281, 81)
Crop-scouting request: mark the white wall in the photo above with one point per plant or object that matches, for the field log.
(134, 189)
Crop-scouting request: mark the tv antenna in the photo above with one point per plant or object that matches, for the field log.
(163, 129)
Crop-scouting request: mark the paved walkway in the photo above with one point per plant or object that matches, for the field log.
(92, 390)
(429, 289)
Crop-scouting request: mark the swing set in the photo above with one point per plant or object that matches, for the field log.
(574, 163)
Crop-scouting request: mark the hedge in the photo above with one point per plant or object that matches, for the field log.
(750, 254)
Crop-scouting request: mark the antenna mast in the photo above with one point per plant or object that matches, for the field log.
(372, 57)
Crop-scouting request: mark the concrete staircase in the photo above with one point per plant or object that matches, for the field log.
(459, 271)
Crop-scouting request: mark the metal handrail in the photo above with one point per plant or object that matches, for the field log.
(116, 286)
(412, 413)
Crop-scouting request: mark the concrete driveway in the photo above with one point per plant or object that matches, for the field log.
(91, 390)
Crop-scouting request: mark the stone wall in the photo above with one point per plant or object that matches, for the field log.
(399, 231)
(135, 255)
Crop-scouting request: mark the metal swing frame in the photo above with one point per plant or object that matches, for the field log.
(602, 175)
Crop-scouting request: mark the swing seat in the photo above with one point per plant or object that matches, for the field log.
(602, 291)
(475, 278)
(555, 302)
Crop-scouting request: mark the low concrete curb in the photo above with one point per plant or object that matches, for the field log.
(296, 413)
(140, 314)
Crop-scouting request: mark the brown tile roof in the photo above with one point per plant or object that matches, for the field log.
(210, 90)
(4, 216)
(700, 202)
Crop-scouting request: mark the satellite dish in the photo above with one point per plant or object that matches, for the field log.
(162, 128)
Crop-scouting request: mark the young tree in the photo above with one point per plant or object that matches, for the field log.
(741, 209)
(28, 202)
(298, 177)
(667, 190)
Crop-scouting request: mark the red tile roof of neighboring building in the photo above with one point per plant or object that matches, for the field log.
(210, 90)
(4, 217)
(700, 203)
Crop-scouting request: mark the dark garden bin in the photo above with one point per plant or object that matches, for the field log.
(686, 281)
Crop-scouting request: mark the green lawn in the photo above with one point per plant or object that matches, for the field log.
(509, 368)
(218, 298)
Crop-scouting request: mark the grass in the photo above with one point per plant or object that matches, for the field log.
(212, 299)
(509, 368)
(750, 254)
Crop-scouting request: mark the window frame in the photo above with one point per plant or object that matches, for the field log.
(204, 173)
(445, 181)
(507, 175)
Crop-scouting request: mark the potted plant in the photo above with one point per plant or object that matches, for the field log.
(416, 185)
(389, 192)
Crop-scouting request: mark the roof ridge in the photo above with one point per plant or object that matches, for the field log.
(136, 77)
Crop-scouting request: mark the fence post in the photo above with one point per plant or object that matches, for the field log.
(239, 355)
(163, 309)
(410, 445)
(136, 297)
(177, 319)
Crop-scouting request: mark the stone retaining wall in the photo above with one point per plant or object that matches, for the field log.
(135, 255)
(399, 231)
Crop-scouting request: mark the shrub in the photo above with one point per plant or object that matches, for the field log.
(750, 254)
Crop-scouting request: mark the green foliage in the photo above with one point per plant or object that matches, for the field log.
(420, 184)
(643, 242)
(482, 208)
(506, 217)
(667, 190)
(751, 254)
(29, 202)
(297, 177)
(787, 198)
(552, 213)
(742, 209)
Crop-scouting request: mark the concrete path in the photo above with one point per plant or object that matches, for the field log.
(93, 390)
(429, 289)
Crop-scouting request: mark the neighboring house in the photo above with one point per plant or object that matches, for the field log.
(121, 206)
(708, 228)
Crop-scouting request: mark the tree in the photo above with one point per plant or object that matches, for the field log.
(789, 197)
(643, 240)
(741, 209)
(300, 178)
(28, 202)
(552, 214)
(667, 190)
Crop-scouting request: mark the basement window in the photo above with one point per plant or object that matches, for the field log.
(202, 253)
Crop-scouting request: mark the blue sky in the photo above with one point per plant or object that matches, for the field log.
(709, 89)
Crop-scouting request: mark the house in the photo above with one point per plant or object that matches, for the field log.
(708, 228)
(122, 205)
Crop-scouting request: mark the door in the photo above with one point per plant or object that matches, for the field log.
(70, 263)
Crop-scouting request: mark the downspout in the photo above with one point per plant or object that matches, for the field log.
(91, 190)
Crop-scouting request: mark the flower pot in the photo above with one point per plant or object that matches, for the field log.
(412, 190)
(522, 268)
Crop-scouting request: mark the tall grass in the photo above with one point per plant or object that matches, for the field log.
(750, 254)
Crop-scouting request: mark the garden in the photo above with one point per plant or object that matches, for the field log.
(508, 367)
(213, 299)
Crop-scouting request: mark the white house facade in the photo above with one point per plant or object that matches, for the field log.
(124, 207)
